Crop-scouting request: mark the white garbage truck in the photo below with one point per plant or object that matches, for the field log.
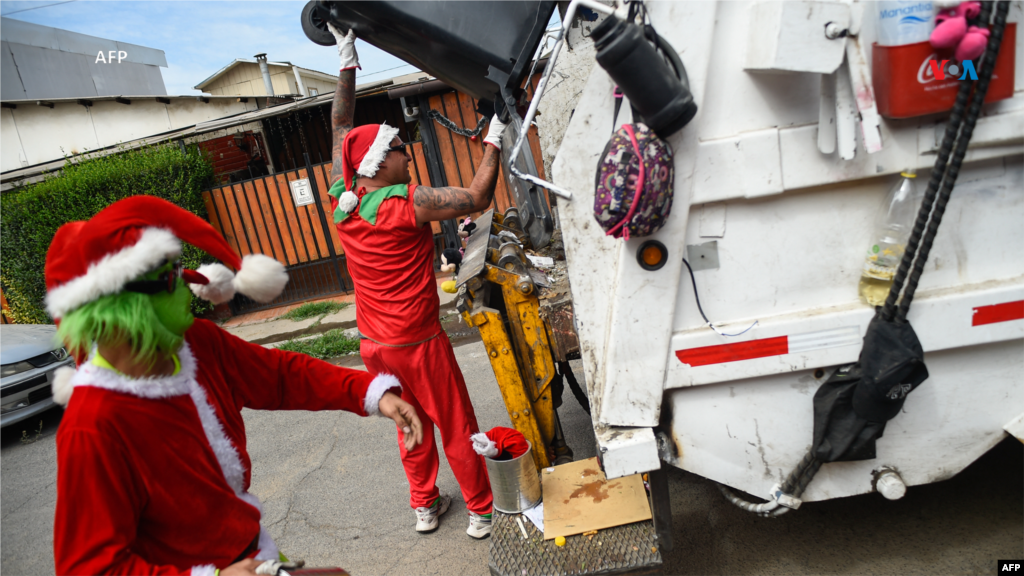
(779, 179)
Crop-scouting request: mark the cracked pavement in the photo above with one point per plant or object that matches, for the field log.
(334, 494)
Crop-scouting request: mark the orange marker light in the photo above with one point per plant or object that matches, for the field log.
(652, 255)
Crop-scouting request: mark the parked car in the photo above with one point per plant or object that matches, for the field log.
(29, 355)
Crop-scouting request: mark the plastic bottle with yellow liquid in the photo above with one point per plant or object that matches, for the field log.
(893, 223)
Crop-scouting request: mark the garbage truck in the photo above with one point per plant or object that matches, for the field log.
(733, 342)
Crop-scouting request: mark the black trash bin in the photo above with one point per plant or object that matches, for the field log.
(476, 47)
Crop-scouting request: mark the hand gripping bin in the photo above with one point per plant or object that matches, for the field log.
(906, 85)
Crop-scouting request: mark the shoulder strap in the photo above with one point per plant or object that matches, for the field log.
(618, 105)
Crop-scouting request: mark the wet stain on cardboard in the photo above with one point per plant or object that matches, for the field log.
(598, 490)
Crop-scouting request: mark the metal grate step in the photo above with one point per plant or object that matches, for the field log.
(629, 549)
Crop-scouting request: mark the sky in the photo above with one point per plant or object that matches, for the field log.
(200, 38)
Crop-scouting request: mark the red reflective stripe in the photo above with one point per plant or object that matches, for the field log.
(998, 313)
(734, 352)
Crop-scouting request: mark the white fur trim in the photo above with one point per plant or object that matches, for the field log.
(381, 384)
(220, 289)
(483, 445)
(204, 570)
(113, 271)
(89, 374)
(348, 202)
(261, 278)
(61, 385)
(378, 151)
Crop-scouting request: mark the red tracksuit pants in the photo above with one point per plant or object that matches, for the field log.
(433, 384)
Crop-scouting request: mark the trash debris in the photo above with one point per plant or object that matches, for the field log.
(560, 541)
(541, 261)
(522, 528)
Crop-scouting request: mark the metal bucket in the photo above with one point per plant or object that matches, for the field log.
(515, 483)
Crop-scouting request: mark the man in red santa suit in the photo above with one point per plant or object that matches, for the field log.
(152, 469)
(383, 224)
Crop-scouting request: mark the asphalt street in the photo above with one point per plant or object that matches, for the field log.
(334, 494)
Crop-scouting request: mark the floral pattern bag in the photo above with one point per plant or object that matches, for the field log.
(634, 184)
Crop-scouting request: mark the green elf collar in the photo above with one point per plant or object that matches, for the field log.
(369, 203)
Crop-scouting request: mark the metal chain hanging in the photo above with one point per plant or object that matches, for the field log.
(302, 133)
(935, 199)
(440, 119)
(284, 138)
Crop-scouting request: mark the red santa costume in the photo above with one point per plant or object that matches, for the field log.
(153, 473)
(390, 258)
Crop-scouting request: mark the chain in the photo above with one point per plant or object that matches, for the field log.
(440, 119)
(302, 133)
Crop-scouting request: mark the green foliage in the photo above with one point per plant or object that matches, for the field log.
(30, 216)
(330, 344)
(311, 309)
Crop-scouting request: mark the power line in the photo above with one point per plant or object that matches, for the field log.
(381, 71)
(37, 7)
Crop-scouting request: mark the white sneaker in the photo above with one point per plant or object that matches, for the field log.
(479, 526)
(426, 518)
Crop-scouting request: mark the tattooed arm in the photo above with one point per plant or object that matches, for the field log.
(342, 112)
(344, 107)
(450, 202)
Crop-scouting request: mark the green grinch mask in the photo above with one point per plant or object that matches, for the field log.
(154, 324)
(172, 309)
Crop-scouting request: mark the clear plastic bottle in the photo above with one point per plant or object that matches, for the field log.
(893, 223)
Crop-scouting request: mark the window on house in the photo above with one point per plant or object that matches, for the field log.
(314, 92)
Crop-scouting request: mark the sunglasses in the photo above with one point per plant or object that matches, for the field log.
(167, 281)
(398, 147)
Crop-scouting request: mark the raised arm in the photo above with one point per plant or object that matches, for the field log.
(344, 107)
(446, 202)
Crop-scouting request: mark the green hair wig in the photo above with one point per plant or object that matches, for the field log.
(123, 317)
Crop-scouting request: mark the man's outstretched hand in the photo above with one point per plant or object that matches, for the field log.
(404, 416)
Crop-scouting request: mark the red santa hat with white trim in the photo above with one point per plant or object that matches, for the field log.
(97, 257)
(362, 153)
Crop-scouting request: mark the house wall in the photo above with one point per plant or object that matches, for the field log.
(322, 86)
(35, 134)
(246, 79)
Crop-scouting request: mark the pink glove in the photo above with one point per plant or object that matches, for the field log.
(972, 45)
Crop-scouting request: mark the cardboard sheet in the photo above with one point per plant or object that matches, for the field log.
(577, 499)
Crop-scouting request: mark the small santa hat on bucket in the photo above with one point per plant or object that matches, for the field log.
(362, 153)
(131, 237)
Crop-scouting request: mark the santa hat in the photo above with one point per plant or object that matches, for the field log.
(131, 237)
(362, 153)
(500, 443)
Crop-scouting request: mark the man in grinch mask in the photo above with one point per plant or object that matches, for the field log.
(152, 469)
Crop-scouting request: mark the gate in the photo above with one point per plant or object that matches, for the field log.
(264, 215)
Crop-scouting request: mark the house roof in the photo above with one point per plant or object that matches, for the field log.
(238, 61)
(14, 178)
